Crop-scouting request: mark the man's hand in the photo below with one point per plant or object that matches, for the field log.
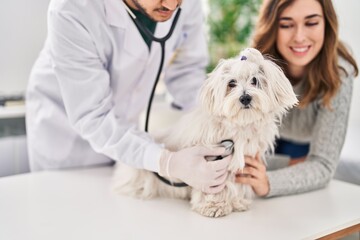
(254, 174)
(190, 166)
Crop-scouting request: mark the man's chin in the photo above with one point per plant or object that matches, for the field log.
(162, 19)
(162, 16)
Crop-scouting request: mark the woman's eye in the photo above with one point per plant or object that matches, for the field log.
(310, 24)
(254, 81)
(232, 83)
(285, 25)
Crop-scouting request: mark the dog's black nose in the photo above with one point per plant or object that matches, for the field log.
(245, 99)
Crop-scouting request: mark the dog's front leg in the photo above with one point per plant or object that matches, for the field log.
(238, 160)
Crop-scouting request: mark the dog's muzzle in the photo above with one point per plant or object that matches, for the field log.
(245, 100)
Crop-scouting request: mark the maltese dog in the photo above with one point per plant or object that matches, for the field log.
(243, 99)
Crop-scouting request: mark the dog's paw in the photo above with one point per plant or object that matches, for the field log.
(214, 210)
(241, 205)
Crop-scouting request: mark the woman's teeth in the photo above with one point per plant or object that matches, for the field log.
(302, 49)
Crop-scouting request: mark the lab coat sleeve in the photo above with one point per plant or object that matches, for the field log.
(87, 95)
(187, 71)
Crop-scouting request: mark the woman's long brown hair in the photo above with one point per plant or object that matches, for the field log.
(323, 72)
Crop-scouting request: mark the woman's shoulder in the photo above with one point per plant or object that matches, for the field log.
(347, 75)
(346, 68)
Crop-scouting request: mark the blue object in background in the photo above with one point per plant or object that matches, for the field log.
(294, 150)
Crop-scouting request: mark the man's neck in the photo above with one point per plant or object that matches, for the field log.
(130, 4)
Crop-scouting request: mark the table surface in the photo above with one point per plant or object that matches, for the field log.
(79, 204)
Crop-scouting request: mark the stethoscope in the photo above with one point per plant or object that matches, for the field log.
(162, 41)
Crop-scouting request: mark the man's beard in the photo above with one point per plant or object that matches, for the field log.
(142, 9)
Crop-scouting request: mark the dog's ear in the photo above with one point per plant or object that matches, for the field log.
(279, 85)
(211, 89)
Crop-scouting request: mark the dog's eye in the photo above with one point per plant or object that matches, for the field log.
(232, 83)
(254, 81)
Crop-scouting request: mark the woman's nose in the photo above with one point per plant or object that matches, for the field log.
(300, 34)
(170, 4)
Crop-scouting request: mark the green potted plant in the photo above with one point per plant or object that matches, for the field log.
(230, 25)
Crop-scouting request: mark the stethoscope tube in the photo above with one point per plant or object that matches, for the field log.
(161, 41)
(149, 34)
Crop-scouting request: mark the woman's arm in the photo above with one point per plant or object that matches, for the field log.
(327, 140)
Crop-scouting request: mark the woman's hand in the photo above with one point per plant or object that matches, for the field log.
(254, 174)
(294, 161)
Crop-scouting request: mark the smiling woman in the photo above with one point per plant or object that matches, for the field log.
(303, 36)
(300, 35)
(310, 26)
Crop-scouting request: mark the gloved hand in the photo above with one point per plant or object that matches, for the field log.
(190, 166)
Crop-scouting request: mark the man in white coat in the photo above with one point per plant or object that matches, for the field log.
(94, 77)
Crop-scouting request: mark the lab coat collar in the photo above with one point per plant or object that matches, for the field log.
(117, 16)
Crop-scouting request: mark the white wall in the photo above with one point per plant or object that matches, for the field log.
(22, 33)
(349, 19)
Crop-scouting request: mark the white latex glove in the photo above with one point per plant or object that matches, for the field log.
(190, 166)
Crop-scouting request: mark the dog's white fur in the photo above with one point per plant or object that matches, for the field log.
(220, 115)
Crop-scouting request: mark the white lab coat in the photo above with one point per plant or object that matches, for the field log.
(94, 77)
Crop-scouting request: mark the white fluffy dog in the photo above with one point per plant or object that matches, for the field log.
(243, 99)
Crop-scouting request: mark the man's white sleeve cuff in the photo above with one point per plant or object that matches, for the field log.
(153, 154)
